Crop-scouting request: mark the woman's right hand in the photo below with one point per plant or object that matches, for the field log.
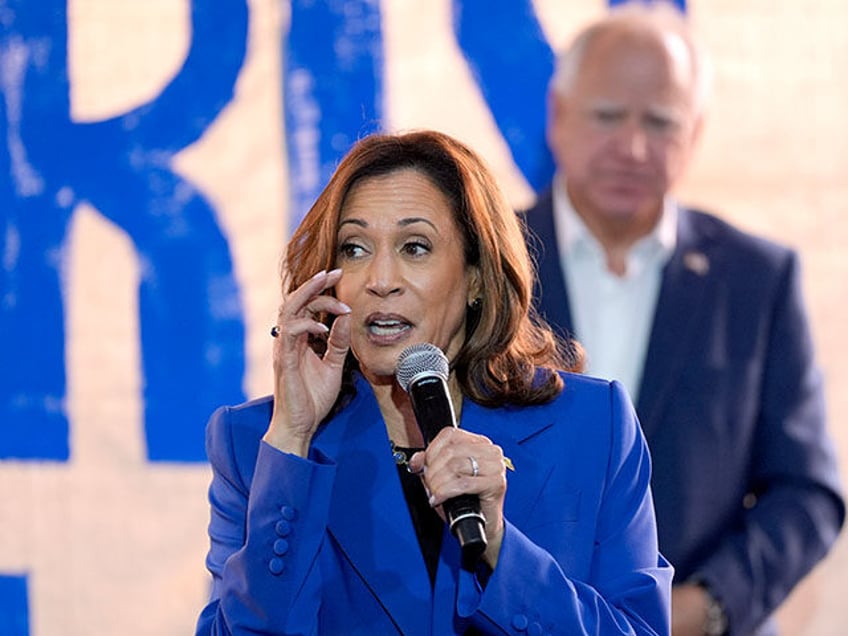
(306, 385)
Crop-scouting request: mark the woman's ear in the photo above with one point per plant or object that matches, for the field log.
(475, 287)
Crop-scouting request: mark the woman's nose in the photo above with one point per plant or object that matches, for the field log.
(384, 277)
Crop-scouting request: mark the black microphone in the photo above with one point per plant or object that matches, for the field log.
(422, 371)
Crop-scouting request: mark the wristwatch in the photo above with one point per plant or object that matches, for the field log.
(716, 622)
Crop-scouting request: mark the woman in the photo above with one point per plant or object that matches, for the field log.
(326, 515)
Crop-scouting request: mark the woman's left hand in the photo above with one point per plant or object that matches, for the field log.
(447, 468)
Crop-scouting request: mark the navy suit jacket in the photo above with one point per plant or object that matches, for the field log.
(745, 479)
(325, 544)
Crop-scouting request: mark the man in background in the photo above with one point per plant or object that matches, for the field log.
(704, 325)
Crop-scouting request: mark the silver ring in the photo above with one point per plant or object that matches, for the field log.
(475, 467)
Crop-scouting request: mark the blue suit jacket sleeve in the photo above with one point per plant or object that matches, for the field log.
(257, 580)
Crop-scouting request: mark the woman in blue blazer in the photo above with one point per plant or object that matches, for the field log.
(327, 508)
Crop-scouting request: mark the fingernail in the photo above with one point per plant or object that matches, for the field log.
(334, 271)
(345, 309)
(319, 274)
(432, 501)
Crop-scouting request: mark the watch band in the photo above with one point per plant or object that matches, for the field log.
(716, 621)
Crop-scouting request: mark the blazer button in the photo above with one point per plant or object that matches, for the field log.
(283, 528)
(281, 546)
(519, 622)
(276, 566)
(535, 629)
(288, 513)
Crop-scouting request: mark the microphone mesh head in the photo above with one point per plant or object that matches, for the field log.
(420, 360)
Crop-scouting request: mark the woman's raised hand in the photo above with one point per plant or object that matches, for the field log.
(306, 385)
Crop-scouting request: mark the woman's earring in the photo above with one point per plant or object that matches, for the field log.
(476, 304)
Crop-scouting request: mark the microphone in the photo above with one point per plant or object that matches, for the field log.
(422, 371)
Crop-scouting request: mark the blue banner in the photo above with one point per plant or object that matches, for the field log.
(192, 325)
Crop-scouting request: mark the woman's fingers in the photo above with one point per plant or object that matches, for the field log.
(297, 301)
(458, 462)
(304, 304)
(338, 343)
(294, 328)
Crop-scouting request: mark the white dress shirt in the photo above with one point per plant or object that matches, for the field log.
(612, 314)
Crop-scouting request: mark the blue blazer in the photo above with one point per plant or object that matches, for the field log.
(745, 479)
(325, 545)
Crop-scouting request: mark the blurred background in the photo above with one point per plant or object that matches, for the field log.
(157, 154)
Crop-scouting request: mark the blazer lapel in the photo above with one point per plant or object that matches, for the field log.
(684, 283)
(369, 517)
(511, 433)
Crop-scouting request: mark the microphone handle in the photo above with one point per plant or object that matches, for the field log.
(433, 412)
(468, 525)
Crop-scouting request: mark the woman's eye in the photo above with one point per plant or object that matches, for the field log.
(350, 250)
(416, 248)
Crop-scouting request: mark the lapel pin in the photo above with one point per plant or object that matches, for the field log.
(696, 262)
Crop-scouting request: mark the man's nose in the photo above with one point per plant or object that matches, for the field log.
(633, 141)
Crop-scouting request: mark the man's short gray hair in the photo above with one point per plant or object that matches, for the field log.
(661, 16)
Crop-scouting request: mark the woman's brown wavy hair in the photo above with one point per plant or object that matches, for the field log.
(509, 356)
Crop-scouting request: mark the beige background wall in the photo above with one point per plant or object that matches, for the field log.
(115, 545)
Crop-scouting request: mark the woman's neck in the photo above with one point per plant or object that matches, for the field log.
(396, 408)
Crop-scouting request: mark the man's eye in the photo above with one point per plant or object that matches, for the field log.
(607, 116)
(659, 123)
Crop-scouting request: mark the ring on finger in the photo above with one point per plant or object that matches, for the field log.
(475, 467)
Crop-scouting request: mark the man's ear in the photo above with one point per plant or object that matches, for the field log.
(697, 129)
(557, 108)
(554, 113)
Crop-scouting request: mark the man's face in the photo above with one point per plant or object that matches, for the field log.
(624, 133)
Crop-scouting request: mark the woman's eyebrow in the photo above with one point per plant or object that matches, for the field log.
(415, 219)
(407, 221)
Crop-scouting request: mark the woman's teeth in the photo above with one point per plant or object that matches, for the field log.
(386, 327)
